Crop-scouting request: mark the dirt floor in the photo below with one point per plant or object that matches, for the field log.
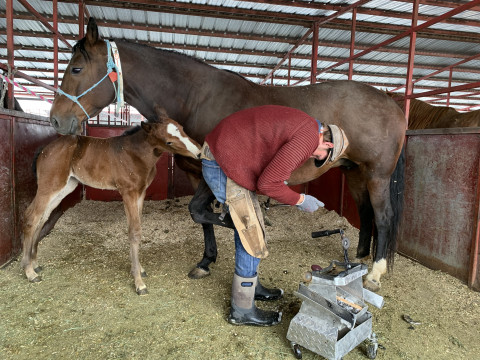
(86, 306)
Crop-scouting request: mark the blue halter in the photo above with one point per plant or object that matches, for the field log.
(110, 67)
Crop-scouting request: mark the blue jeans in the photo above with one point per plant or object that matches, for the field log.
(245, 264)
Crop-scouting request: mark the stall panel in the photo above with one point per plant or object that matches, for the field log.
(21, 134)
(6, 190)
(30, 136)
(328, 189)
(441, 201)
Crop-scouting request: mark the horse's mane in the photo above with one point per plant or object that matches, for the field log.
(177, 53)
(132, 130)
(80, 45)
(425, 116)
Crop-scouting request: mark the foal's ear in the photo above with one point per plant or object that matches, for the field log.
(161, 113)
(92, 32)
(146, 126)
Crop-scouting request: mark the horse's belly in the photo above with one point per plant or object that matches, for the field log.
(99, 182)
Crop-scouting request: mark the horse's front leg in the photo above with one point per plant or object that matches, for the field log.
(202, 270)
(133, 203)
(201, 212)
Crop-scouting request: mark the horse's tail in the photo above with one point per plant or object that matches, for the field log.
(397, 186)
(35, 158)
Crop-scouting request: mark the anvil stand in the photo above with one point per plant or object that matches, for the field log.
(334, 318)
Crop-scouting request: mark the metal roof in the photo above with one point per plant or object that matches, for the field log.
(252, 37)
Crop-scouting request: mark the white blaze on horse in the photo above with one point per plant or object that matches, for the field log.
(126, 163)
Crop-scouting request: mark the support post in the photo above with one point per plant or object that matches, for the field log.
(313, 73)
(411, 57)
(10, 56)
(55, 44)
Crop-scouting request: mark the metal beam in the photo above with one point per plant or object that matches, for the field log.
(43, 20)
(406, 33)
(337, 24)
(244, 36)
(29, 78)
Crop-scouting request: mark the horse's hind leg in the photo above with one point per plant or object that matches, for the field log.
(358, 189)
(36, 216)
(133, 203)
(380, 198)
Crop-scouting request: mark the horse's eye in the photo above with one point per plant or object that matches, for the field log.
(169, 143)
(76, 70)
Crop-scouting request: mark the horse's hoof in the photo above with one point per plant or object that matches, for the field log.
(36, 279)
(267, 221)
(198, 273)
(143, 274)
(142, 292)
(371, 285)
(38, 269)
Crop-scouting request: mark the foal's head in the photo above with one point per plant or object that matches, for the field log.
(168, 135)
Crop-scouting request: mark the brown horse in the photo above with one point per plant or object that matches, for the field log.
(425, 116)
(198, 96)
(125, 163)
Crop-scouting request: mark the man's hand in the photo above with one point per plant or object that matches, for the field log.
(310, 203)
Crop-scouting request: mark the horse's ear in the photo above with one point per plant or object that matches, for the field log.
(92, 32)
(146, 126)
(160, 112)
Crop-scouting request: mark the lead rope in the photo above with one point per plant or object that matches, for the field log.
(110, 67)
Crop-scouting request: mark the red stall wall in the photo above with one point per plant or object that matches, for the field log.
(21, 135)
(328, 189)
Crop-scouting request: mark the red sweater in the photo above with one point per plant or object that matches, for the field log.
(260, 147)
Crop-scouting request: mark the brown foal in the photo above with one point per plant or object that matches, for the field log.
(125, 163)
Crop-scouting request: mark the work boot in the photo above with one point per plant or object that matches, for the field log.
(243, 310)
(265, 294)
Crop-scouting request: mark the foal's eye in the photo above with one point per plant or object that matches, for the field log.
(76, 70)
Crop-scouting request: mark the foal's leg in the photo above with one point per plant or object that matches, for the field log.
(143, 273)
(36, 215)
(133, 202)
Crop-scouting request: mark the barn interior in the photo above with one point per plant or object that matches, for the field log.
(416, 49)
